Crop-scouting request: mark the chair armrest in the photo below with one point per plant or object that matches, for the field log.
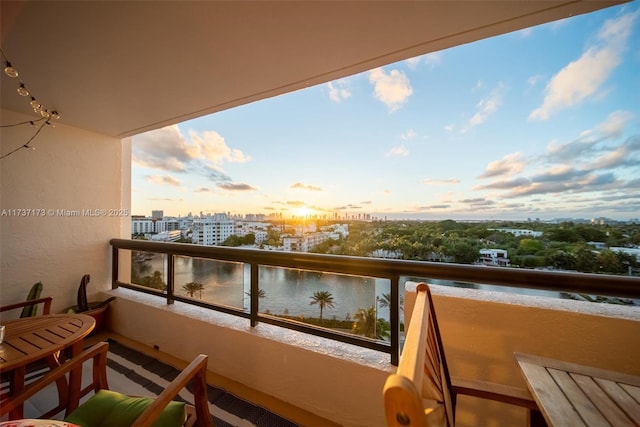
(492, 391)
(196, 371)
(46, 301)
(99, 354)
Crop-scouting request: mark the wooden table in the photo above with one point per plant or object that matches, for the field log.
(31, 339)
(574, 395)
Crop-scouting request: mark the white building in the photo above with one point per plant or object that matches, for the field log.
(630, 251)
(212, 230)
(494, 257)
(167, 236)
(303, 243)
(167, 225)
(519, 232)
(141, 225)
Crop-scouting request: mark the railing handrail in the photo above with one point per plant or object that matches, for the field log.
(393, 270)
(559, 281)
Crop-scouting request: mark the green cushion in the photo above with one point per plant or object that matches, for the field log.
(112, 409)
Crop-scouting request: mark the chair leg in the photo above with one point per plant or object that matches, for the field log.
(536, 419)
(61, 384)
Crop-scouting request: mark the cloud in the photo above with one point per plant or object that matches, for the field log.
(429, 207)
(235, 186)
(399, 151)
(210, 145)
(486, 107)
(583, 77)
(432, 60)
(164, 149)
(409, 134)
(168, 149)
(164, 199)
(392, 89)
(590, 142)
(615, 123)
(339, 91)
(510, 164)
(203, 190)
(525, 32)
(533, 80)
(440, 181)
(306, 187)
(215, 174)
(162, 180)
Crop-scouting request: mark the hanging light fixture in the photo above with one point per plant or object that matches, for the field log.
(23, 90)
(38, 108)
(9, 70)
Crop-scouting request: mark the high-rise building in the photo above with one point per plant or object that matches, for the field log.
(212, 229)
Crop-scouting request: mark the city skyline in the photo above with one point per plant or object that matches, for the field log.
(539, 123)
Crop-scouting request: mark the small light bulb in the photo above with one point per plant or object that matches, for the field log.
(44, 113)
(55, 115)
(35, 104)
(9, 70)
(23, 90)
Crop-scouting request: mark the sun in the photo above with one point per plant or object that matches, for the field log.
(303, 211)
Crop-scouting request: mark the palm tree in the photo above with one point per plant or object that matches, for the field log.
(323, 299)
(384, 300)
(365, 323)
(261, 293)
(192, 287)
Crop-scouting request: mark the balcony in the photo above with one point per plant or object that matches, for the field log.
(340, 378)
(84, 163)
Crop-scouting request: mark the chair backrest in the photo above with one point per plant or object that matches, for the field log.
(194, 373)
(420, 392)
(32, 305)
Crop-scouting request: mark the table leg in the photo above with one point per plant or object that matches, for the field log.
(17, 385)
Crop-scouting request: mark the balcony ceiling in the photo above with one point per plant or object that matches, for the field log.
(122, 68)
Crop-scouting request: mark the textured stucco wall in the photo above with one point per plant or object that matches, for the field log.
(70, 169)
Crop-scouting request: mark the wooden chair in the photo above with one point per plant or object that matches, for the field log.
(46, 308)
(30, 305)
(421, 392)
(197, 415)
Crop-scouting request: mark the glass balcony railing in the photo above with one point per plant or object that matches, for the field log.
(355, 300)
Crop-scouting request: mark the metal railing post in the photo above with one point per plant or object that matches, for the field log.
(394, 315)
(255, 295)
(115, 252)
(170, 281)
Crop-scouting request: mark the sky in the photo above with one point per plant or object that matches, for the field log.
(539, 123)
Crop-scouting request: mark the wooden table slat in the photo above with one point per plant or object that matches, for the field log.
(52, 335)
(621, 398)
(580, 402)
(608, 407)
(553, 406)
(37, 341)
(633, 391)
(615, 395)
(23, 347)
(40, 338)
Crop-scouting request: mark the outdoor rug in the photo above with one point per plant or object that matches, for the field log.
(137, 374)
(148, 376)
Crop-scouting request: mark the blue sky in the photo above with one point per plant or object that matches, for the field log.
(540, 123)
